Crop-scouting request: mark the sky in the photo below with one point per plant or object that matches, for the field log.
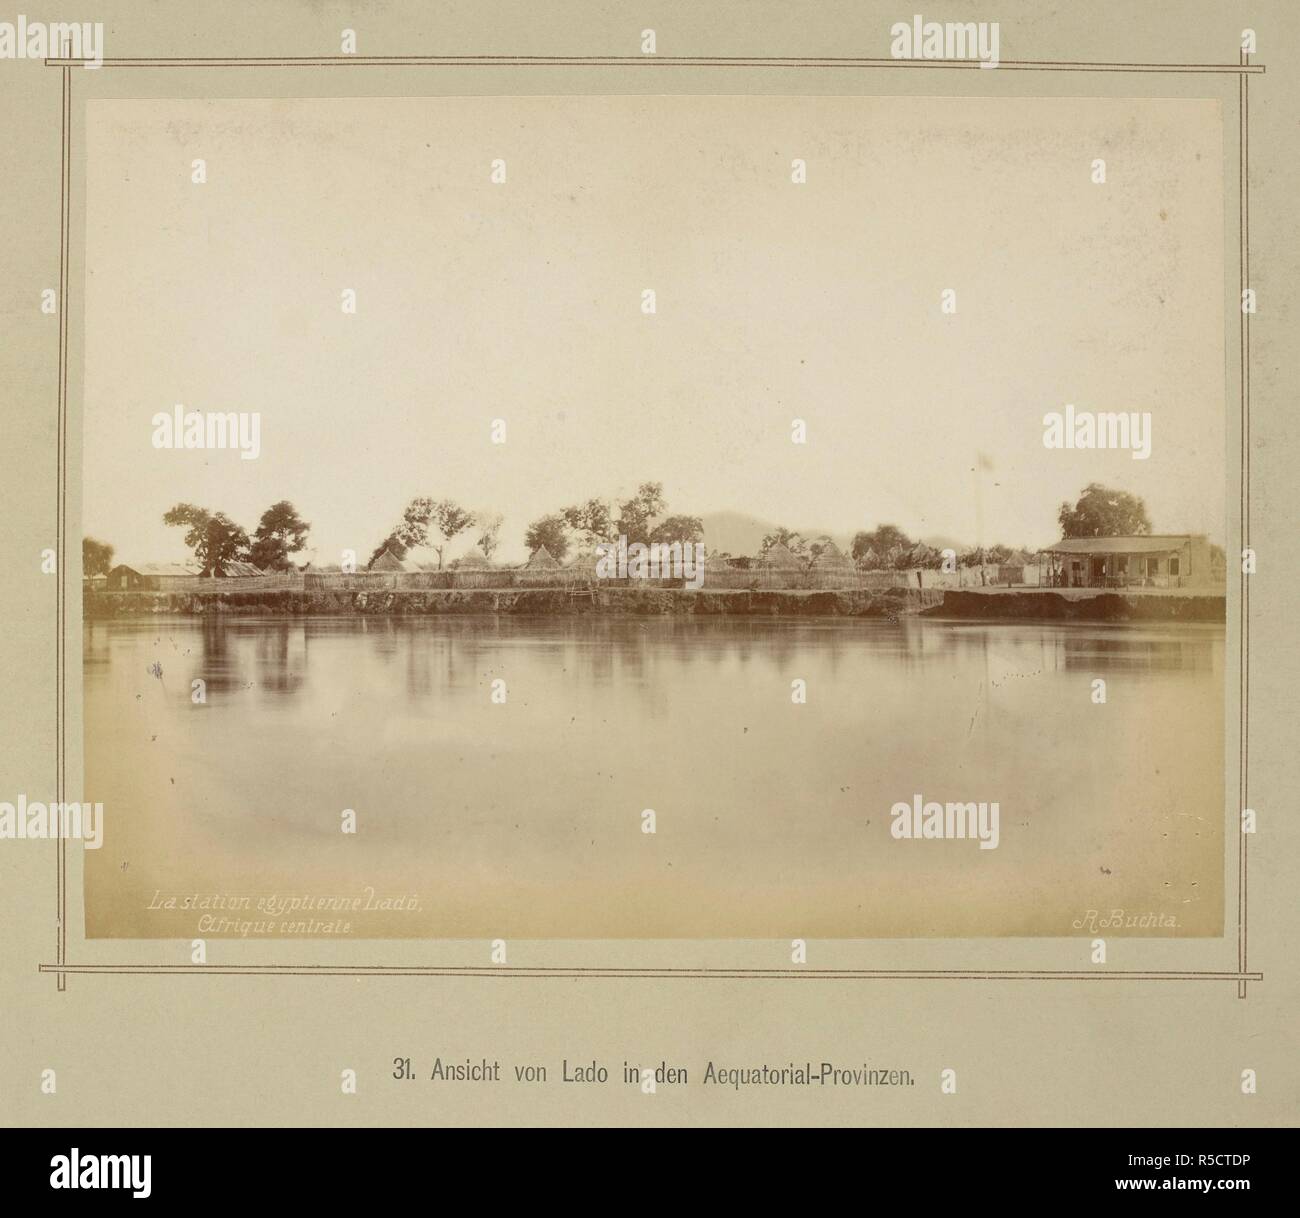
(774, 301)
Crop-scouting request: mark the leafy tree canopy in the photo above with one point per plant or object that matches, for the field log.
(787, 537)
(215, 539)
(1102, 512)
(881, 540)
(427, 522)
(678, 528)
(488, 527)
(96, 556)
(280, 533)
(635, 514)
(592, 521)
(549, 531)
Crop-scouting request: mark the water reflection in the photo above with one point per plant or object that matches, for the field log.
(274, 657)
(513, 818)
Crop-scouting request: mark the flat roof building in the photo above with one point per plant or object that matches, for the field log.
(1151, 560)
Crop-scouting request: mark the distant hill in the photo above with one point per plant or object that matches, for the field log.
(739, 533)
(945, 543)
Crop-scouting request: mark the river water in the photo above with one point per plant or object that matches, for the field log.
(477, 817)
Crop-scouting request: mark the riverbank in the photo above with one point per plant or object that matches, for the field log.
(1005, 604)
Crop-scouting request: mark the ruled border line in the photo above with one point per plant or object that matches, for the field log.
(1244, 69)
(648, 61)
(61, 509)
(543, 972)
(1243, 676)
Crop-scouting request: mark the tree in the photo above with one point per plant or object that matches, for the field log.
(488, 528)
(1102, 512)
(549, 531)
(899, 556)
(391, 542)
(635, 514)
(882, 540)
(215, 539)
(413, 528)
(678, 528)
(96, 556)
(280, 532)
(449, 520)
(592, 521)
(925, 556)
(445, 518)
(792, 541)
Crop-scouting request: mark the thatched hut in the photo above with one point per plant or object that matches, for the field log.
(583, 568)
(719, 572)
(387, 562)
(474, 570)
(541, 559)
(832, 568)
(541, 568)
(779, 567)
(831, 555)
(779, 557)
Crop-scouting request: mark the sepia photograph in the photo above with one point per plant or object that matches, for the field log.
(608, 566)
(655, 517)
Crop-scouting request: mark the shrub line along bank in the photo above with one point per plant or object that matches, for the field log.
(1029, 605)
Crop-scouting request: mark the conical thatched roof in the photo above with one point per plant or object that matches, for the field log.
(541, 560)
(781, 556)
(923, 555)
(831, 558)
(584, 564)
(388, 561)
